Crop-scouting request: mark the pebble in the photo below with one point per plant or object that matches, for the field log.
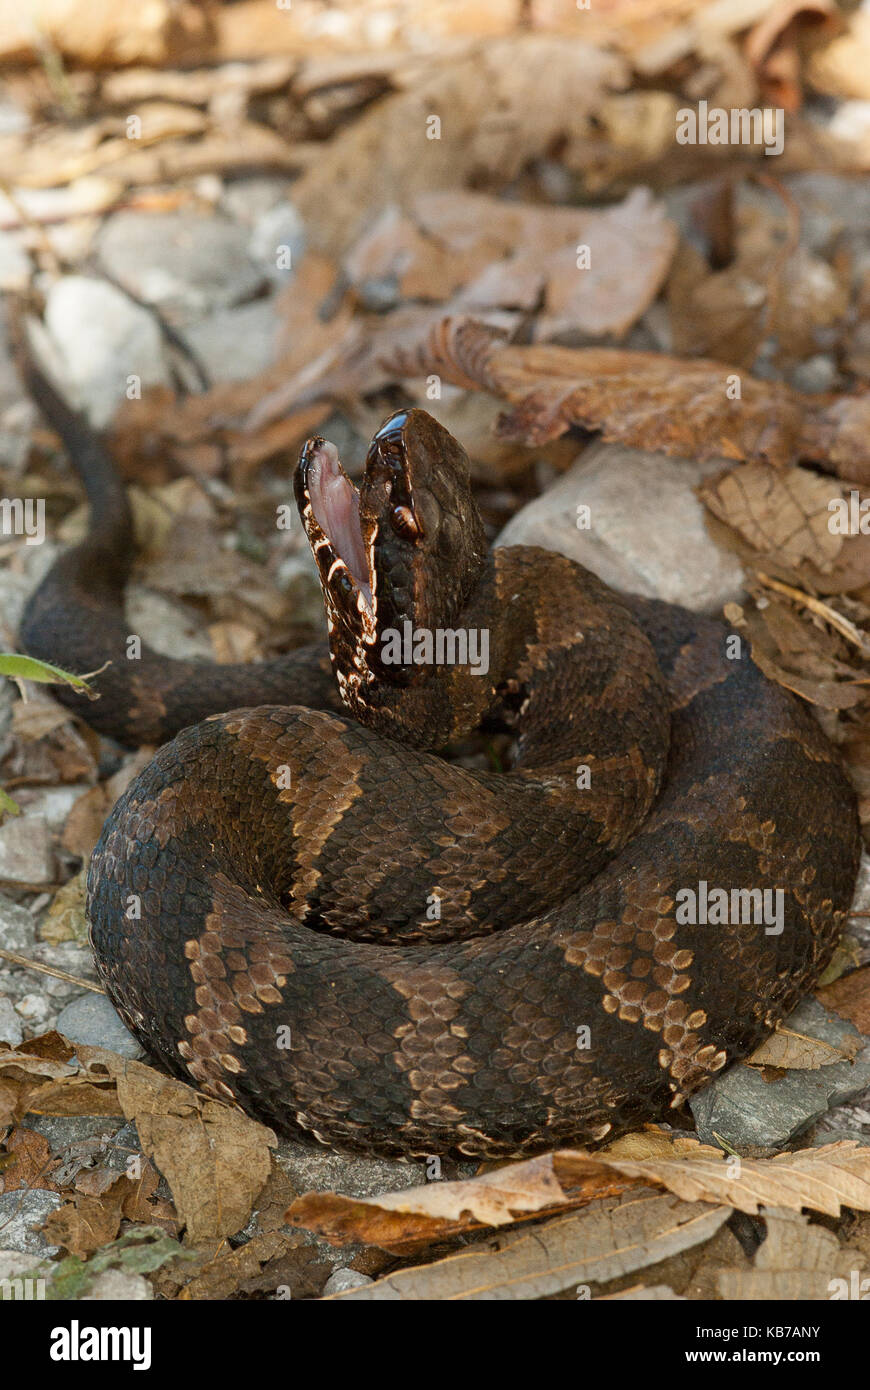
(11, 1032)
(26, 850)
(342, 1279)
(236, 344)
(186, 263)
(23, 1213)
(278, 237)
(745, 1110)
(646, 533)
(90, 1019)
(103, 339)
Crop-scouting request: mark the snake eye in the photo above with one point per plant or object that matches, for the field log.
(405, 523)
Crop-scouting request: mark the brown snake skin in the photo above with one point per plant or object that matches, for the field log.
(301, 909)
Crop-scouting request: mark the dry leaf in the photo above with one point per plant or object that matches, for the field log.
(214, 1158)
(797, 1262)
(783, 513)
(592, 1246)
(789, 1050)
(821, 1178)
(850, 998)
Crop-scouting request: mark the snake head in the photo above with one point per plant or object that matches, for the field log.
(408, 546)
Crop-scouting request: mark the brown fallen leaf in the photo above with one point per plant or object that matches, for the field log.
(32, 1162)
(789, 1050)
(399, 1221)
(593, 1246)
(498, 106)
(823, 1179)
(214, 1158)
(507, 254)
(797, 1262)
(646, 399)
(84, 1225)
(272, 1262)
(782, 513)
(850, 998)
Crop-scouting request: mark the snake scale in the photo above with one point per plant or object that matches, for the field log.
(300, 908)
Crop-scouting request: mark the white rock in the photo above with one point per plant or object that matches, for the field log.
(342, 1279)
(11, 1031)
(103, 338)
(33, 1008)
(26, 850)
(236, 344)
(646, 531)
(118, 1284)
(187, 263)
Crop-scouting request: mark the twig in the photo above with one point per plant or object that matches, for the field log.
(54, 970)
(846, 628)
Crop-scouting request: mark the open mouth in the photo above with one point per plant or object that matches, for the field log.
(333, 521)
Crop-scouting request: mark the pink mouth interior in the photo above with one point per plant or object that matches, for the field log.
(335, 503)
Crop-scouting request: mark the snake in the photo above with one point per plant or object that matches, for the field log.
(308, 905)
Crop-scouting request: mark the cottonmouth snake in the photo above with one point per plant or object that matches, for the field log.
(301, 909)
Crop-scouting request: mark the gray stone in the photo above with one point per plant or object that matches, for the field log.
(17, 926)
(320, 1170)
(15, 265)
(23, 1277)
(90, 1019)
(188, 263)
(236, 344)
(103, 337)
(167, 624)
(11, 1031)
(646, 533)
(23, 1213)
(342, 1279)
(52, 804)
(279, 228)
(26, 850)
(118, 1284)
(247, 200)
(745, 1110)
(838, 1136)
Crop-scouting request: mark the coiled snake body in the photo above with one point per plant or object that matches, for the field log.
(301, 909)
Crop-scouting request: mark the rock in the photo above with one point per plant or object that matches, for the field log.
(646, 526)
(103, 338)
(837, 1136)
(11, 1031)
(188, 263)
(247, 200)
(17, 926)
(313, 1169)
(90, 1019)
(745, 1110)
(818, 373)
(236, 344)
(26, 850)
(33, 1008)
(342, 1279)
(118, 1284)
(278, 237)
(167, 624)
(24, 1276)
(23, 1213)
(15, 266)
(52, 804)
